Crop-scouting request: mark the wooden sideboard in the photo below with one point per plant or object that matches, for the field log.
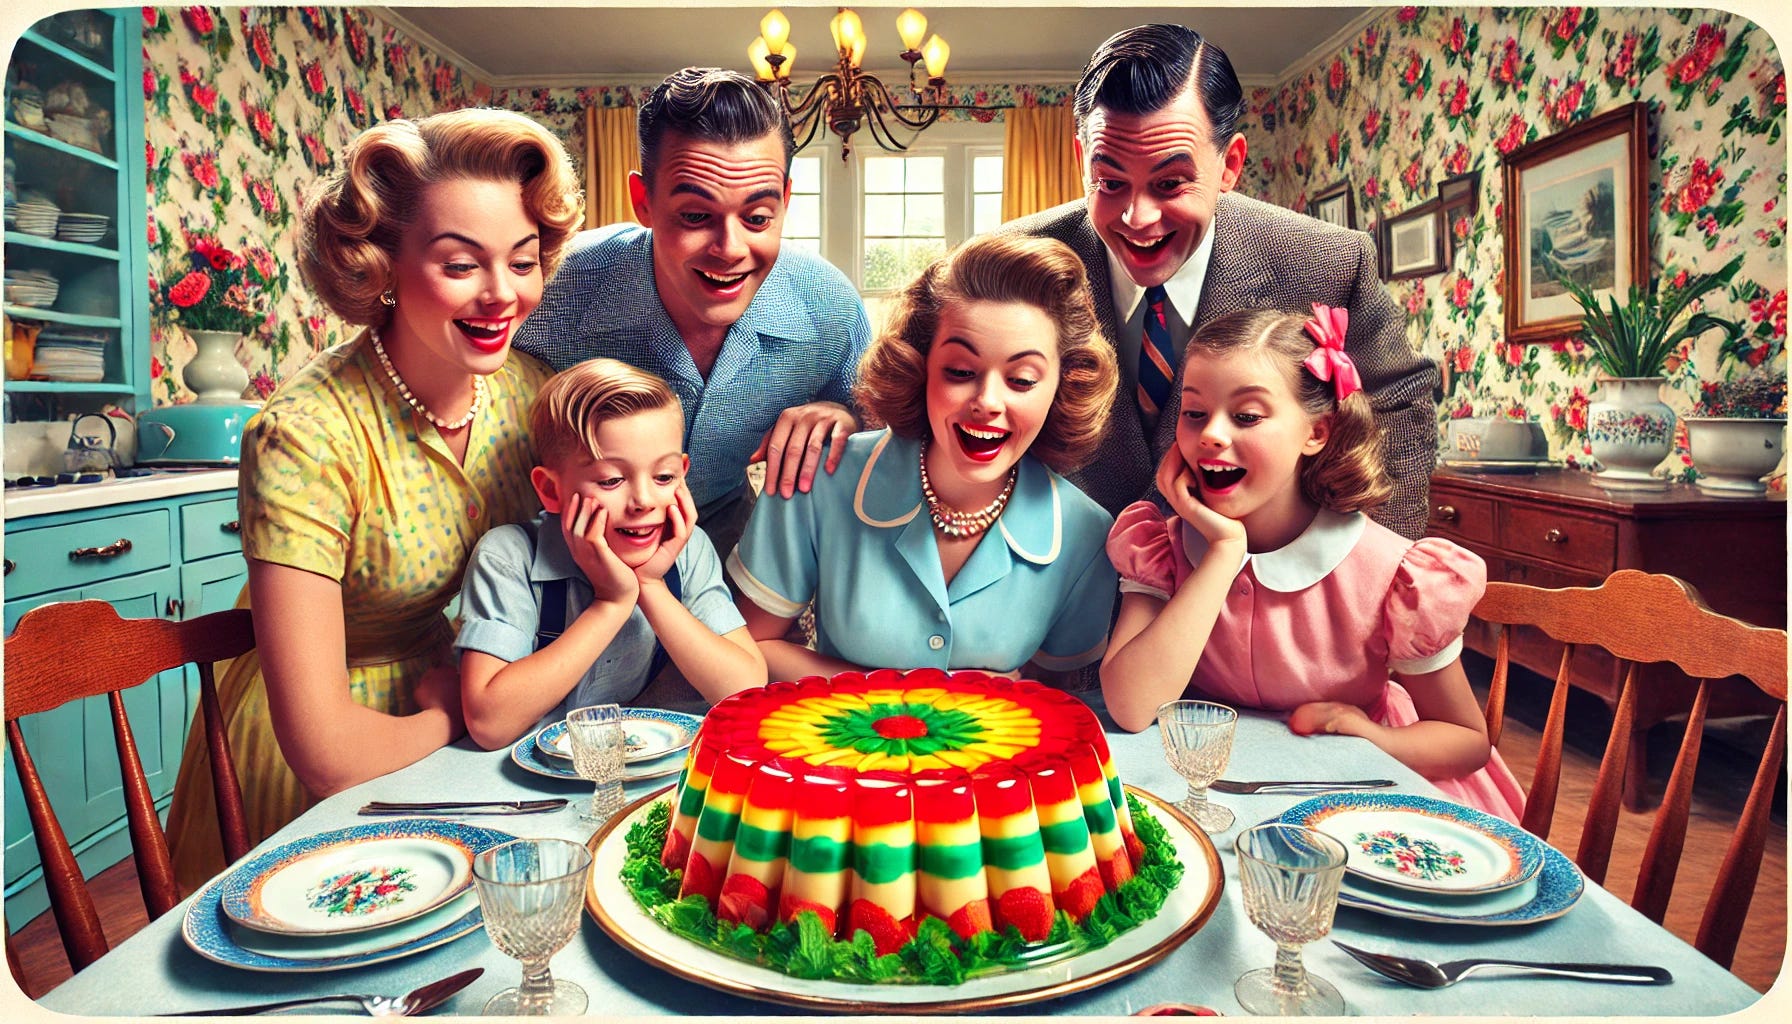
(1558, 528)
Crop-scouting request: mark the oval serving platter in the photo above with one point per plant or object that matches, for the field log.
(1423, 844)
(1188, 908)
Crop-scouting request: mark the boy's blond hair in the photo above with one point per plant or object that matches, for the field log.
(574, 403)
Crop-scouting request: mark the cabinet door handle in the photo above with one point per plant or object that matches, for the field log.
(173, 607)
(1446, 513)
(10, 566)
(234, 526)
(112, 550)
(1556, 536)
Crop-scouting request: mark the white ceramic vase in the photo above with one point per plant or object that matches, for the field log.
(214, 374)
(1732, 455)
(1630, 430)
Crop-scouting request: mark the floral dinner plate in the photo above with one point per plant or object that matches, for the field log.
(1553, 891)
(526, 754)
(1422, 844)
(355, 944)
(350, 880)
(648, 734)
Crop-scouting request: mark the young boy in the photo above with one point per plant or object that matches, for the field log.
(580, 606)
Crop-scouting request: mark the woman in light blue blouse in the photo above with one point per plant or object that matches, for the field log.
(949, 539)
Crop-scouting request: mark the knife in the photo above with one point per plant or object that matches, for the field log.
(453, 807)
(1295, 786)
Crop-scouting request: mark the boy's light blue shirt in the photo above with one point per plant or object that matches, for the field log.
(500, 605)
(799, 341)
(1037, 587)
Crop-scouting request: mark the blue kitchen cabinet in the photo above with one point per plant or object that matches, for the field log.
(182, 559)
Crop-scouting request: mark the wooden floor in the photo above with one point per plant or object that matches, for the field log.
(1722, 782)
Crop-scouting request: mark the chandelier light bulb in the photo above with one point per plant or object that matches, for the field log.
(774, 28)
(757, 52)
(789, 52)
(936, 53)
(849, 35)
(911, 25)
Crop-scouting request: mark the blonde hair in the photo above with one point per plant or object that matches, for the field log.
(351, 225)
(1040, 272)
(575, 402)
(1349, 474)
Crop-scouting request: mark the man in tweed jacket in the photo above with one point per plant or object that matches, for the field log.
(761, 345)
(1155, 111)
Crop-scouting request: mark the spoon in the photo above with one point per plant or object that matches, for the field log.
(420, 1000)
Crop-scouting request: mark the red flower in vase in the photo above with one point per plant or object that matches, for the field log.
(190, 289)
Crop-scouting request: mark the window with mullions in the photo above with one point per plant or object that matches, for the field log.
(802, 219)
(904, 226)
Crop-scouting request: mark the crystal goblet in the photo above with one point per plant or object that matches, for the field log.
(531, 891)
(1197, 737)
(599, 748)
(1290, 876)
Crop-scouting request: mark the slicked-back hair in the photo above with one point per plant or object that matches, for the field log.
(1140, 70)
(1350, 473)
(1041, 272)
(711, 105)
(575, 402)
(351, 226)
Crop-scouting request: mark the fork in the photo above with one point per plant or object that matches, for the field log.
(416, 1001)
(1425, 974)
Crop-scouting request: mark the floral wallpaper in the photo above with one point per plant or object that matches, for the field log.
(245, 108)
(1424, 93)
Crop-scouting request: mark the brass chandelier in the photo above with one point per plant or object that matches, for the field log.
(847, 97)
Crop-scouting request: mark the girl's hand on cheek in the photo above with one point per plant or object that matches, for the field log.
(583, 523)
(681, 518)
(1176, 482)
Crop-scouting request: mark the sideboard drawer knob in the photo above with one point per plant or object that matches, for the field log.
(1446, 513)
(173, 607)
(234, 526)
(10, 566)
(112, 550)
(1556, 536)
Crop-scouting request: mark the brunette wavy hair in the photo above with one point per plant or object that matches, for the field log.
(1040, 272)
(351, 224)
(1350, 473)
(575, 402)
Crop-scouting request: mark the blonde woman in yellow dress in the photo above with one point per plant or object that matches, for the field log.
(368, 477)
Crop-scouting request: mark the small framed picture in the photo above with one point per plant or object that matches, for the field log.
(1460, 193)
(1414, 242)
(1334, 205)
(1576, 206)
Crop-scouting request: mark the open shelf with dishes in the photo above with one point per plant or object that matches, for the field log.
(76, 297)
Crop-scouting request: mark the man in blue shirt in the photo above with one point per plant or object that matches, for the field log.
(762, 348)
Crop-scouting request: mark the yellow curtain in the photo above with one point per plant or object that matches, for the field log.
(1038, 166)
(611, 152)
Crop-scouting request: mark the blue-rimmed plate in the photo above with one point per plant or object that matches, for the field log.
(214, 936)
(326, 947)
(526, 754)
(348, 881)
(648, 735)
(1557, 887)
(1422, 844)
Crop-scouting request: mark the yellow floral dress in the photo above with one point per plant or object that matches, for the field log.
(339, 477)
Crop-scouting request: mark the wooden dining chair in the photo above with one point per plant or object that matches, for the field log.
(71, 650)
(1639, 618)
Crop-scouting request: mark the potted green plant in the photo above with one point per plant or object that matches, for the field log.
(1737, 433)
(1629, 427)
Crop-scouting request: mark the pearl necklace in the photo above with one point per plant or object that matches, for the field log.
(404, 391)
(955, 522)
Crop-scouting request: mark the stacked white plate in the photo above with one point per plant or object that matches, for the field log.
(35, 215)
(82, 227)
(1427, 859)
(656, 741)
(36, 288)
(71, 354)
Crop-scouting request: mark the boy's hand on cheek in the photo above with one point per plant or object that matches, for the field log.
(1176, 482)
(583, 522)
(681, 518)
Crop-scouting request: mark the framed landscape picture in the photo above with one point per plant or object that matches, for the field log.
(1413, 243)
(1576, 207)
(1334, 205)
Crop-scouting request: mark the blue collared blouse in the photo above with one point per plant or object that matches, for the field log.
(1038, 586)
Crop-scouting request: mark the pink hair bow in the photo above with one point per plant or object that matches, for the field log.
(1328, 361)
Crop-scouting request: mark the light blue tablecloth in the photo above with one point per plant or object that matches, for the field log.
(154, 971)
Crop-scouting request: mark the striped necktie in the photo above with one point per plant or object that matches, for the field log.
(1156, 367)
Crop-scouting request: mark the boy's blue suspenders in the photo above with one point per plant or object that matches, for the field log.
(553, 617)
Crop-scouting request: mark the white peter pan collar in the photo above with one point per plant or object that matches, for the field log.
(1304, 561)
(893, 499)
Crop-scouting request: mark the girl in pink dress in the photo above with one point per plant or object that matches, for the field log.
(1270, 588)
